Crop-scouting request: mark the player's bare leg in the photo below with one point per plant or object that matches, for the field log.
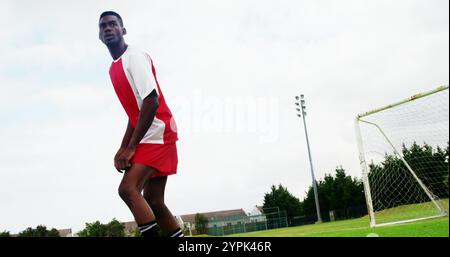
(154, 195)
(130, 190)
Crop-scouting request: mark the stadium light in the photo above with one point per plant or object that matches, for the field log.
(301, 112)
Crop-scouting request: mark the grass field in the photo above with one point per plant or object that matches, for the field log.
(437, 227)
(410, 211)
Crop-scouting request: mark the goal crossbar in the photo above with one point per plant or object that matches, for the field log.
(412, 98)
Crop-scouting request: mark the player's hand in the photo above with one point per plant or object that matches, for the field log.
(116, 158)
(124, 158)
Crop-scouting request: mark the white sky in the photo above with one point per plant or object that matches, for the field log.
(229, 71)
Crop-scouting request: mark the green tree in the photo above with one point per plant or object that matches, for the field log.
(338, 193)
(201, 223)
(97, 229)
(39, 231)
(282, 199)
(137, 233)
(115, 229)
(5, 234)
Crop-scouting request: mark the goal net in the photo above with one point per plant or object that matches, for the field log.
(404, 158)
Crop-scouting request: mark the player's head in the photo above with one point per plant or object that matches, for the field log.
(111, 30)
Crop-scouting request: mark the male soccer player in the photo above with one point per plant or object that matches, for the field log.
(148, 153)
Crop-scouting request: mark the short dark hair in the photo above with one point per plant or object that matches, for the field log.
(114, 14)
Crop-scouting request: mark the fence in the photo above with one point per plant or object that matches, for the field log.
(244, 224)
(339, 214)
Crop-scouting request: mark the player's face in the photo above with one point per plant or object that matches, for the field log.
(110, 30)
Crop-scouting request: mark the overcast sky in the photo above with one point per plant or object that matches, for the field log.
(229, 70)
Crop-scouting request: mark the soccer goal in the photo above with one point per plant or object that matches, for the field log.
(403, 151)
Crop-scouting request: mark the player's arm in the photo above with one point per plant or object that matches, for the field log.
(146, 116)
(127, 136)
(140, 70)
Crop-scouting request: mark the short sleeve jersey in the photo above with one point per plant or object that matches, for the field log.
(133, 76)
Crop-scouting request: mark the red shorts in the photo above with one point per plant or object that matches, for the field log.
(162, 157)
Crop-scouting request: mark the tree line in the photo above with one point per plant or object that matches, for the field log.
(95, 229)
(336, 193)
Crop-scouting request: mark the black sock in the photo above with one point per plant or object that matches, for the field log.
(149, 229)
(177, 233)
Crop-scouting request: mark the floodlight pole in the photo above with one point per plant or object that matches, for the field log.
(302, 113)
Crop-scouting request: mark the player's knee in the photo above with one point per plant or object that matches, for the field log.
(126, 192)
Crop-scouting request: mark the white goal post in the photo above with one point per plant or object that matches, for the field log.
(403, 152)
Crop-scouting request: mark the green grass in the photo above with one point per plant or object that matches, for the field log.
(410, 211)
(436, 227)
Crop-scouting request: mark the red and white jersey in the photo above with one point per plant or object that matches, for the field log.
(134, 78)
